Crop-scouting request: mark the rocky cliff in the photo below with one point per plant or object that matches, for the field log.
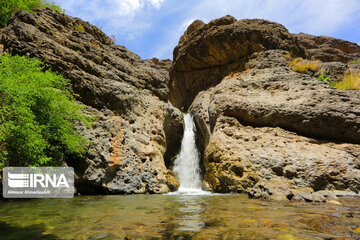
(263, 129)
(328, 49)
(135, 130)
(266, 129)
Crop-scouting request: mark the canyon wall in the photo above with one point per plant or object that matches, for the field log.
(263, 129)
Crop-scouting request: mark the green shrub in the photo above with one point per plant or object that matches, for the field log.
(324, 78)
(9, 7)
(37, 115)
(353, 62)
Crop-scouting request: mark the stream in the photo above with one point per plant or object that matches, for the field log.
(189, 213)
(225, 216)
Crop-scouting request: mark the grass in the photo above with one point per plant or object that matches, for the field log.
(351, 81)
(79, 28)
(324, 78)
(353, 62)
(287, 56)
(302, 66)
(295, 61)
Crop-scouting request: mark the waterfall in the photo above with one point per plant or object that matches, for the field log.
(186, 165)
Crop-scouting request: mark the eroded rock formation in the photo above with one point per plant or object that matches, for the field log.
(134, 127)
(263, 129)
(208, 52)
(267, 130)
(328, 49)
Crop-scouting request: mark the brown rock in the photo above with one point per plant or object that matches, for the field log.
(239, 136)
(334, 70)
(239, 158)
(131, 136)
(207, 53)
(328, 49)
(271, 94)
(262, 124)
(274, 189)
(333, 202)
(171, 181)
(195, 25)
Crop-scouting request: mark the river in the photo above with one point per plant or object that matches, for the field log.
(232, 216)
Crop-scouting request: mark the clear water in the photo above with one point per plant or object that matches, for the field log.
(187, 214)
(186, 165)
(176, 217)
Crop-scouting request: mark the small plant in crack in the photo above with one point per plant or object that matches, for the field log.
(324, 78)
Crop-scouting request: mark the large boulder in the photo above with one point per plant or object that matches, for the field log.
(128, 97)
(328, 49)
(265, 129)
(208, 52)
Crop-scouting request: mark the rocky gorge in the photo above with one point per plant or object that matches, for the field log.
(262, 128)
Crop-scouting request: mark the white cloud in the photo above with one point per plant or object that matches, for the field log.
(124, 18)
(133, 20)
(156, 3)
(314, 16)
(171, 40)
(127, 7)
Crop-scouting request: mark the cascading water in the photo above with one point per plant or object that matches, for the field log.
(186, 165)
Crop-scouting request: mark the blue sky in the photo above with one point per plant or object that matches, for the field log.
(152, 28)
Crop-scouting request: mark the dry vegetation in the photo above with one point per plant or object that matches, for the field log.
(351, 81)
(301, 65)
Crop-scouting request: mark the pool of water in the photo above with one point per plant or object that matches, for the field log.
(177, 217)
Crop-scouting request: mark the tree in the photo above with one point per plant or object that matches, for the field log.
(37, 115)
(9, 7)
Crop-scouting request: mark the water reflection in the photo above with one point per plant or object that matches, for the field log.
(177, 217)
(190, 208)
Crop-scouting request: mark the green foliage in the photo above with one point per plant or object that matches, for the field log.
(79, 28)
(9, 7)
(37, 115)
(353, 62)
(324, 78)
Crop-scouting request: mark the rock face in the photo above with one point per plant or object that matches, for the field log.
(328, 49)
(208, 52)
(135, 130)
(265, 129)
